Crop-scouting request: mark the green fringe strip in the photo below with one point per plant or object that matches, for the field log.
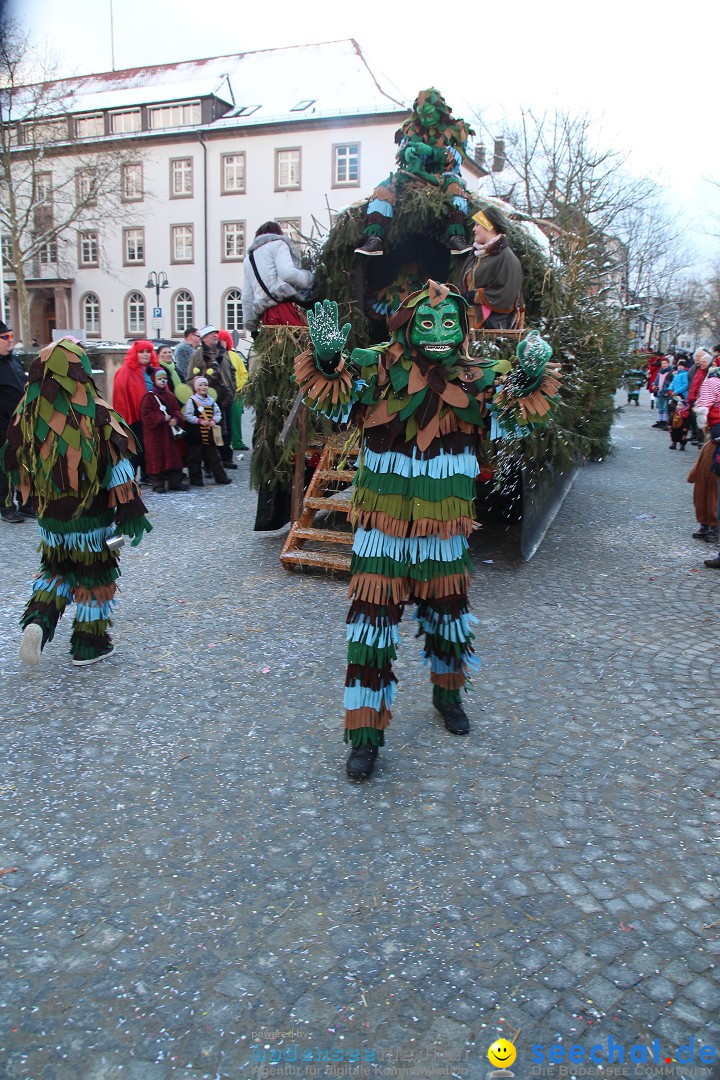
(85, 523)
(134, 528)
(441, 696)
(364, 736)
(85, 645)
(46, 619)
(426, 488)
(359, 653)
(402, 509)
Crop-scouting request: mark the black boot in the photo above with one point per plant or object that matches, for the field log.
(361, 761)
(454, 717)
(702, 533)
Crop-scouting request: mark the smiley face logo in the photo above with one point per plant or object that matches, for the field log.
(501, 1054)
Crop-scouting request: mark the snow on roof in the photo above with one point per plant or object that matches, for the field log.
(333, 77)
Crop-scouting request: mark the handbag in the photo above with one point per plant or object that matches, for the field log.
(217, 436)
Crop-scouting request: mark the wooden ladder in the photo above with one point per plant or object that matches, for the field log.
(330, 546)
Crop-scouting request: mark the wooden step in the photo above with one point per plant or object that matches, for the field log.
(346, 475)
(342, 506)
(329, 560)
(327, 536)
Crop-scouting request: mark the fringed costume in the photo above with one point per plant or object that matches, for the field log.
(421, 404)
(432, 147)
(69, 450)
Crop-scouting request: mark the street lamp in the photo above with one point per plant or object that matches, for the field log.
(157, 281)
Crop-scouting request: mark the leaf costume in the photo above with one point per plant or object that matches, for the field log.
(70, 451)
(421, 404)
(432, 147)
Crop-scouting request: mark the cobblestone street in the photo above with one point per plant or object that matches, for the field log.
(189, 883)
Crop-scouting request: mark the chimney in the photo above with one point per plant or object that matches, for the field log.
(499, 156)
(480, 156)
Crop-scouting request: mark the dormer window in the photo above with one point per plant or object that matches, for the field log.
(176, 114)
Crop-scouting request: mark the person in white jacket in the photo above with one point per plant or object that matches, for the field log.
(273, 278)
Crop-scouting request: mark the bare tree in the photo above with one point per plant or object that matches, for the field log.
(48, 190)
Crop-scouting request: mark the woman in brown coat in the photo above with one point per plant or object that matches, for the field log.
(161, 418)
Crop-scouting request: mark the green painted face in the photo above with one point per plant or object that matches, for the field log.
(437, 332)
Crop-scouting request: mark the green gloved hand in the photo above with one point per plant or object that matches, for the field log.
(327, 337)
(533, 354)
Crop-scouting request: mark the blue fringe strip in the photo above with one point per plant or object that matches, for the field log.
(462, 204)
(80, 541)
(121, 473)
(380, 637)
(94, 612)
(56, 585)
(375, 544)
(379, 206)
(439, 467)
(358, 696)
(445, 626)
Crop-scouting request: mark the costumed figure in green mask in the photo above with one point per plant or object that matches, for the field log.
(421, 405)
(432, 147)
(70, 451)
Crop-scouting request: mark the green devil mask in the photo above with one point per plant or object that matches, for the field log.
(437, 332)
(432, 322)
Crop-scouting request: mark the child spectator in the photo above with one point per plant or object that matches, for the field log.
(661, 390)
(203, 418)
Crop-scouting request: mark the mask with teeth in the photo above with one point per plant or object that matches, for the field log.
(437, 332)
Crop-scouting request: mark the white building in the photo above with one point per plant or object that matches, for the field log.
(210, 150)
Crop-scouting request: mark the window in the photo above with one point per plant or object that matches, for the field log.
(233, 310)
(181, 246)
(233, 240)
(43, 188)
(7, 252)
(89, 125)
(134, 247)
(179, 114)
(85, 184)
(181, 178)
(132, 183)
(90, 314)
(346, 165)
(182, 309)
(88, 248)
(303, 105)
(291, 227)
(135, 313)
(48, 253)
(125, 120)
(233, 174)
(287, 169)
(40, 132)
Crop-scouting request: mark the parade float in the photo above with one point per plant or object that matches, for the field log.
(421, 214)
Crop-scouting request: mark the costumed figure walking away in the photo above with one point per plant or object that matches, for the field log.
(432, 147)
(69, 450)
(493, 278)
(421, 404)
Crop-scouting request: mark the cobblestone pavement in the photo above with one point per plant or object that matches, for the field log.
(191, 873)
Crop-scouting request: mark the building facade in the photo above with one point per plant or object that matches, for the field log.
(194, 157)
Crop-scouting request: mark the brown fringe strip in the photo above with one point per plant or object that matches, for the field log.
(366, 717)
(376, 519)
(99, 593)
(378, 590)
(438, 587)
(453, 680)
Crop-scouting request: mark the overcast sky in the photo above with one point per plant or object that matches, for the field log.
(647, 74)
